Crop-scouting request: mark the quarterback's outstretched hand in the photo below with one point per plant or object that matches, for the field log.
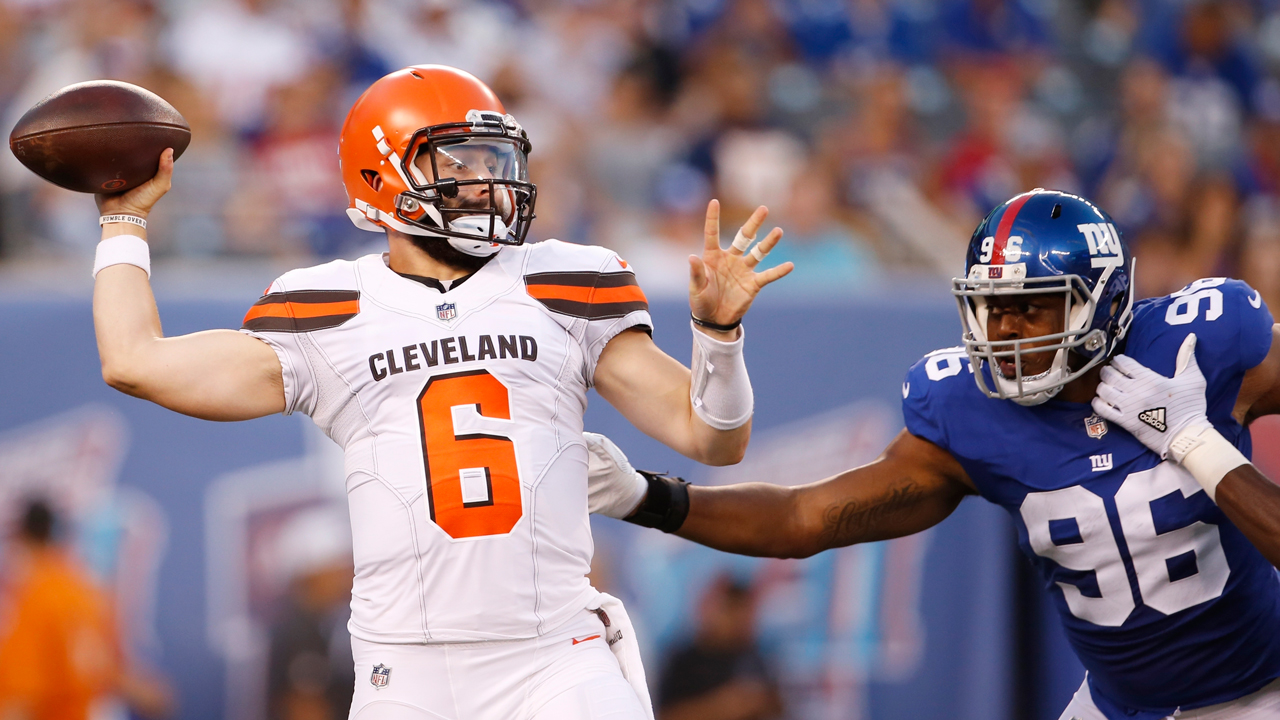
(614, 488)
(141, 199)
(723, 283)
(1156, 409)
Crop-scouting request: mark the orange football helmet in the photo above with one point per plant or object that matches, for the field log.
(429, 150)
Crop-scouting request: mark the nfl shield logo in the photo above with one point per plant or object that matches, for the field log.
(1096, 427)
(381, 675)
(447, 311)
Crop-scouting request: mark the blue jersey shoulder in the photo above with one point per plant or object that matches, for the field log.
(931, 391)
(1231, 322)
(1233, 334)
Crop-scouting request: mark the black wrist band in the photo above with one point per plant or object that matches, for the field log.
(665, 506)
(714, 326)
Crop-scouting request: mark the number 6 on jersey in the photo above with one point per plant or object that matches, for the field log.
(473, 482)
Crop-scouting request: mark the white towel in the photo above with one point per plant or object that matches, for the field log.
(621, 636)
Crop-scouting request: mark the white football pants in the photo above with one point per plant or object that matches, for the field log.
(567, 674)
(1261, 705)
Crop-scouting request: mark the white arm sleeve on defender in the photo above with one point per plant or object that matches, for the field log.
(720, 389)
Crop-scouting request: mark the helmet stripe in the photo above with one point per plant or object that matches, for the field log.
(1006, 224)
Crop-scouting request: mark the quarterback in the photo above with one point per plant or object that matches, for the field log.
(453, 370)
(1157, 539)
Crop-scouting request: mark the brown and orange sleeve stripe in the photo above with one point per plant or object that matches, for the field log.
(589, 295)
(302, 310)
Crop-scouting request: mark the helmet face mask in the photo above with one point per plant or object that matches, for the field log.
(1035, 244)
(469, 181)
(1075, 348)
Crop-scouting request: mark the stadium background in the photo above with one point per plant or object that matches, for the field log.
(878, 132)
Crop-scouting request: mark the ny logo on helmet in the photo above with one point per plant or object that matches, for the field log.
(1104, 244)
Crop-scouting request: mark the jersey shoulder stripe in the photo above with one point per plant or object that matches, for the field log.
(302, 310)
(586, 294)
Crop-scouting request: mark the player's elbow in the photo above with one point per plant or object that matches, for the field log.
(726, 448)
(719, 457)
(789, 537)
(122, 376)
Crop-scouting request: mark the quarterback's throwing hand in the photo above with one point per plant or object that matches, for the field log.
(723, 283)
(141, 199)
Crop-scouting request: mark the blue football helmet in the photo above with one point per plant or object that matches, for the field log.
(1046, 241)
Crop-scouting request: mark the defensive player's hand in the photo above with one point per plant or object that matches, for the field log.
(1153, 408)
(723, 283)
(614, 488)
(141, 199)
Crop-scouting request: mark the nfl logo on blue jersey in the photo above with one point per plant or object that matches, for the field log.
(1095, 426)
(381, 675)
(447, 311)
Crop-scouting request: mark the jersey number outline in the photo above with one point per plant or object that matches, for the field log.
(472, 479)
(1094, 547)
(1186, 308)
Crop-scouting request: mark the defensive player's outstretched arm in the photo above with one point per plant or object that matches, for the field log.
(704, 414)
(214, 375)
(912, 486)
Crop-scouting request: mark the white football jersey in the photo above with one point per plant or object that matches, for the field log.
(460, 414)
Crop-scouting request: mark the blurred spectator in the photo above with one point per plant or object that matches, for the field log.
(1008, 146)
(924, 115)
(236, 50)
(59, 653)
(827, 254)
(1180, 221)
(190, 221)
(309, 673)
(995, 27)
(68, 42)
(721, 674)
(470, 35)
(289, 197)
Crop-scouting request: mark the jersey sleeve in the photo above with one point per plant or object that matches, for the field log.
(591, 292)
(1233, 334)
(283, 318)
(1256, 323)
(921, 401)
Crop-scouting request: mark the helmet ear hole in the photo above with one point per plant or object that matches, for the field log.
(373, 179)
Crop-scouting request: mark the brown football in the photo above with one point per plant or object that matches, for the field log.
(98, 137)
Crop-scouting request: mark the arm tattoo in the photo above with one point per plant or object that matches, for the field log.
(851, 522)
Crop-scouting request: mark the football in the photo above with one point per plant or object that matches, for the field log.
(98, 137)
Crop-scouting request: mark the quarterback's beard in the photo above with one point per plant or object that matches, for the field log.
(441, 251)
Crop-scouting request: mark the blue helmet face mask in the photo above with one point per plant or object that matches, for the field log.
(1040, 243)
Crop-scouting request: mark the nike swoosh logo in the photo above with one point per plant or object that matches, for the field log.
(1256, 300)
(590, 637)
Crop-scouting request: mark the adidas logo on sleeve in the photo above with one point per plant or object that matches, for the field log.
(1155, 418)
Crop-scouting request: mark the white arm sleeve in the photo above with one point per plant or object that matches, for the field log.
(719, 388)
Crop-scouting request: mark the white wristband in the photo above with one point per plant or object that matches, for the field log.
(1206, 455)
(122, 250)
(720, 389)
(131, 219)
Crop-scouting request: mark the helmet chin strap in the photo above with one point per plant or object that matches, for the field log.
(478, 224)
(1037, 389)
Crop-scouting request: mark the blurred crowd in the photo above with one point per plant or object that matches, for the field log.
(877, 131)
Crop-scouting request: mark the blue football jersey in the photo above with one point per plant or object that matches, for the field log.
(1165, 601)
